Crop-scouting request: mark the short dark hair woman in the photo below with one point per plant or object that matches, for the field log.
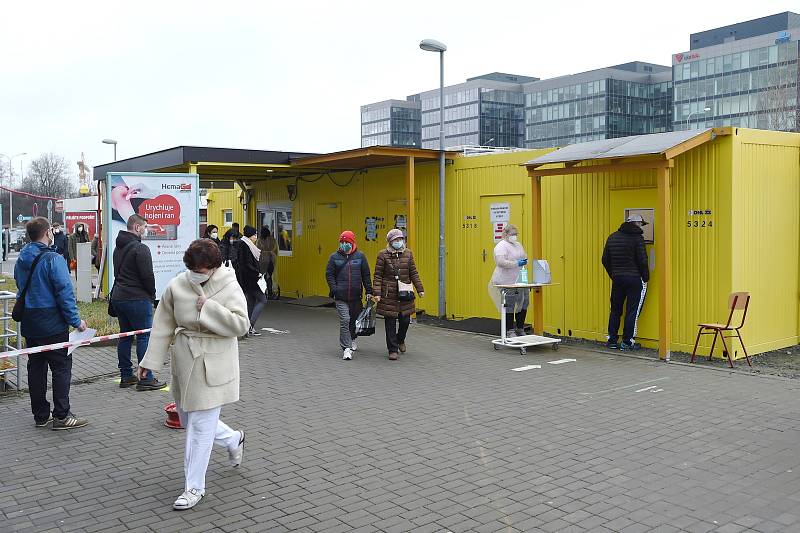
(201, 314)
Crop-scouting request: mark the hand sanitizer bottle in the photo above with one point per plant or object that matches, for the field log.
(522, 277)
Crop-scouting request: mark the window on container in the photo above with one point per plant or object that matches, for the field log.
(227, 217)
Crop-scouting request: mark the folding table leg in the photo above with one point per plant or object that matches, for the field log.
(743, 348)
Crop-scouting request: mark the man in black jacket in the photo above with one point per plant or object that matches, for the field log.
(61, 242)
(133, 296)
(625, 261)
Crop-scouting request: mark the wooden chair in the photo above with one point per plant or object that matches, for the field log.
(737, 301)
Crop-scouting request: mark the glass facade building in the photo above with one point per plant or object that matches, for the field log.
(485, 111)
(745, 74)
(750, 82)
(391, 123)
(630, 99)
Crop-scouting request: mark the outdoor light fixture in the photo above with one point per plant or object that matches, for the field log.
(111, 141)
(706, 109)
(432, 45)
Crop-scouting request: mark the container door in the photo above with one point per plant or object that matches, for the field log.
(643, 202)
(496, 213)
(327, 223)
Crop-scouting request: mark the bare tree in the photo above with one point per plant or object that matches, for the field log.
(779, 101)
(49, 175)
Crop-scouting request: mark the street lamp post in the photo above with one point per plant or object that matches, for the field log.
(431, 45)
(705, 110)
(11, 198)
(112, 141)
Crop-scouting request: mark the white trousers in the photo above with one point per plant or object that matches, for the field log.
(203, 430)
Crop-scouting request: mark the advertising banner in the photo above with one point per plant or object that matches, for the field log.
(169, 203)
(87, 218)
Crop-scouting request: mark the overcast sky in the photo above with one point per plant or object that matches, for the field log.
(292, 75)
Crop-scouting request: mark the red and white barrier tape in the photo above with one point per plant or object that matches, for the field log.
(62, 345)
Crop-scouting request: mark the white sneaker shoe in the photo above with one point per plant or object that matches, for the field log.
(188, 499)
(347, 355)
(354, 346)
(236, 455)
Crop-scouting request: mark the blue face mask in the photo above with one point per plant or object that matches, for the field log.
(398, 244)
(345, 247)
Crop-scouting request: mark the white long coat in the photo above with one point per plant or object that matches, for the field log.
(202, 345)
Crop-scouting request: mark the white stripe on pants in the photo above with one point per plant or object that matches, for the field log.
(203, 430)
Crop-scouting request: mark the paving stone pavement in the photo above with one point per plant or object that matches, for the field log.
(448, 438)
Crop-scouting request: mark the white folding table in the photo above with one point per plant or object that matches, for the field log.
(523, 342)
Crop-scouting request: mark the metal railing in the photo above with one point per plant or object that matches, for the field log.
(10, 340)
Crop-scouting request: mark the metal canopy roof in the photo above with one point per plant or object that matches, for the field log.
(178, 158)
(636, 145)
(361, 158)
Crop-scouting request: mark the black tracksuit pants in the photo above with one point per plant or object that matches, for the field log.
(630, 292)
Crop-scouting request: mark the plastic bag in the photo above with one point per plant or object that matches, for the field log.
(262, 284)
(365, 323)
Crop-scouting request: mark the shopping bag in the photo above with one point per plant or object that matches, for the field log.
(262, 284)
(365, 323)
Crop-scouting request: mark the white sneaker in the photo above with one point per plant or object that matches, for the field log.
(347, 355)
(188, 499)
(354, 346)
(236, 455)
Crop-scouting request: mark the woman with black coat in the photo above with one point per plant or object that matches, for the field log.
(248, 273)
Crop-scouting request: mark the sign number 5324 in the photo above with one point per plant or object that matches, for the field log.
(699, 223)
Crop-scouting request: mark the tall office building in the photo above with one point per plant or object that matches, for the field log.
(484, 111)
(391, 123)
(745, 74)
(629, 99)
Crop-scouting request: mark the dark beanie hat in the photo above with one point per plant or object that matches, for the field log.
(249, 231)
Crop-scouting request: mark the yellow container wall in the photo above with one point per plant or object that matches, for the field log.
(377, 193)
(765, 235)
(474, 183)
(701, 244)
(218, 201)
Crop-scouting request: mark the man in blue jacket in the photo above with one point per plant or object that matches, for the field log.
(50, 310)
(346, 273)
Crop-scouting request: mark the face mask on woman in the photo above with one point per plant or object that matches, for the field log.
(513, 238)
(197, 278)
(345, 247)
(398, 244)
(214, 234)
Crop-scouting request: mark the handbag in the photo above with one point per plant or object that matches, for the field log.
(18, 312)
(111, 311)
(365, 323)
(405, 291)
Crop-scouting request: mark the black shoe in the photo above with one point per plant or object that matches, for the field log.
(254, 332)
(150, 384)
(519, 332)
(69, 422)
(628, 346)
(129, 381)
(42, 423)
(612, 345)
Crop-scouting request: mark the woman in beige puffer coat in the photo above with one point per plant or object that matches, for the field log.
(196, 326)
(395, 262)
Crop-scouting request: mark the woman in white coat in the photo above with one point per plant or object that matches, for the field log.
(197, 324)
(509, 257)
